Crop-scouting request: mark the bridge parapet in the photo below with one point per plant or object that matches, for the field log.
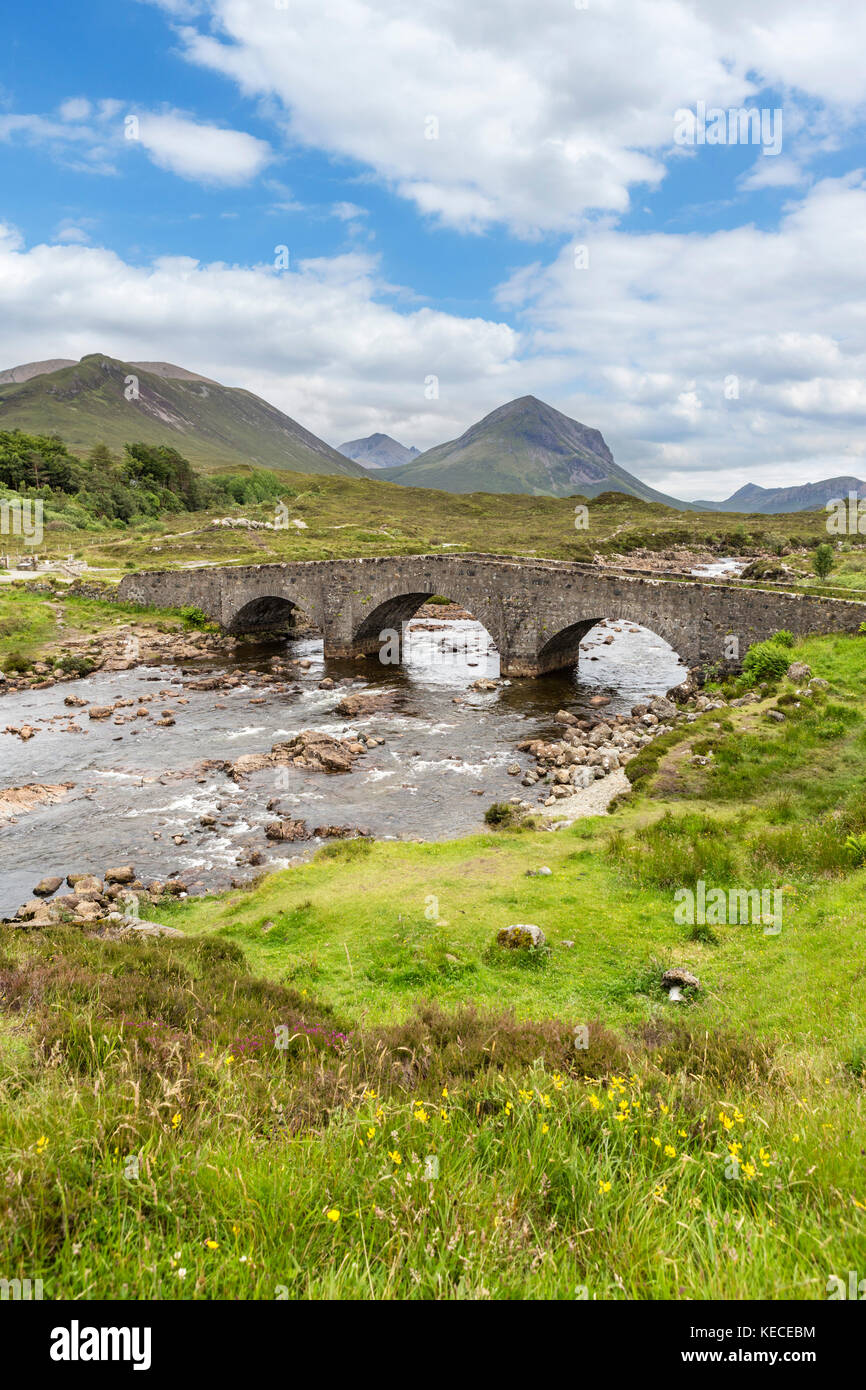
(536, 611)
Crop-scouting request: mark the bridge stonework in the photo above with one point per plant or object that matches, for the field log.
(536, 611)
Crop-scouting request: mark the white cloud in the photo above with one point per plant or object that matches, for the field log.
(773, 173)
(94, 139)
(206, 153)
(710, 361)
(76, 109)
(348, 212)
(706, 360)
(538, 112)
(318, 341)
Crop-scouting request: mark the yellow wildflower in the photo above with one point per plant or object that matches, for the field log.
(333, 1214)
(603, 1186)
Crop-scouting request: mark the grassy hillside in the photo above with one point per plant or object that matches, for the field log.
(293, 1100)
(525, 446)
(214, 426)
(363, 516)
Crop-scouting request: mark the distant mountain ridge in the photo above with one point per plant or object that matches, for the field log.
(214, 426)
(805, 497)
(525, 446)
(28, 370)
(378, 451)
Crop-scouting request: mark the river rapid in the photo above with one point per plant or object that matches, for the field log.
(443, 761)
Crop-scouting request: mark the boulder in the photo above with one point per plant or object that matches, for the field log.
(84, 883)
(366, 702)
(521, 934)
(798, 671)
(678, 979)
(124, 874)
(287, 830)
(664, 708)
(100, 711)
(47, 886)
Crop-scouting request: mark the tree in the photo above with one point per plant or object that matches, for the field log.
(822, 560)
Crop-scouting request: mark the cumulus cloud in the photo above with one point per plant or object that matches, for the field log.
(319, 341)
(761, 337)
(94, 136)
(206, 153)
(526, 114)
(706, 360)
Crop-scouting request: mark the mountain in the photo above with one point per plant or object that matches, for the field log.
(377, 451)
(214, 426)
(806, 498)
(31, 369)
(525, 446)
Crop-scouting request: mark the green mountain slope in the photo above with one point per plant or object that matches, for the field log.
(525, 446)
(214, 426)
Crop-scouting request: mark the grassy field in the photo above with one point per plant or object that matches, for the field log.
(349, 516)
(295, 1100)
(37, 624)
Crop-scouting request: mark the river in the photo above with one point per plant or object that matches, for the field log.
(441, 765)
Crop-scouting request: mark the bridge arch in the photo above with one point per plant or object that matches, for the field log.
(562, 649)
(268, 613)
(391, 613)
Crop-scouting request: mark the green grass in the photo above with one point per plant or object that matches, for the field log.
(157, 1128)
(348, 516)
(30, 623)
(163, 1052)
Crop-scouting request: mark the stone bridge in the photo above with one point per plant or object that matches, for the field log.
(536, 611)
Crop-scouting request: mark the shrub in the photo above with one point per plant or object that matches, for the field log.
(76, 665)
(822, 560)
(194, 618)
(17, 661)
(856, 847)
(766, 660)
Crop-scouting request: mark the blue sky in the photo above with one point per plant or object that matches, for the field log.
(307, 124)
